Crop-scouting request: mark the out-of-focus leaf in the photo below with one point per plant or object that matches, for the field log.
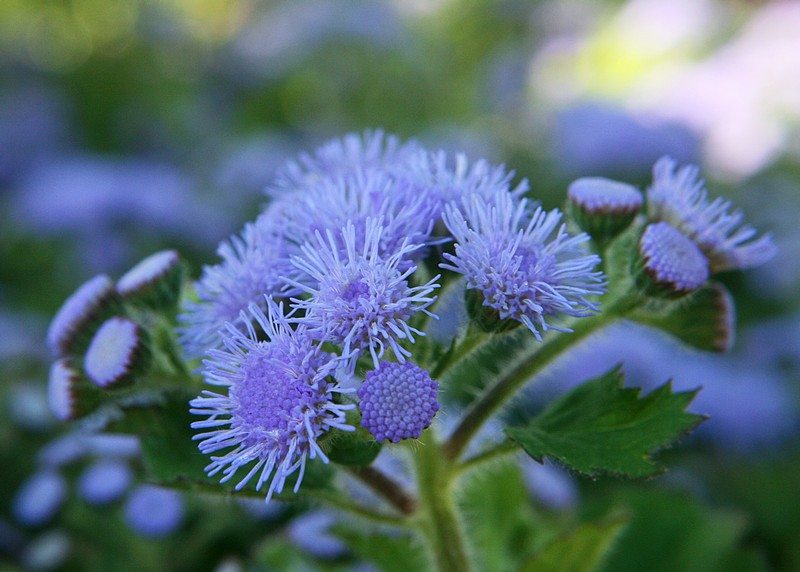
(399, 553)
(581, 550)
(502, 527)
(602, 427)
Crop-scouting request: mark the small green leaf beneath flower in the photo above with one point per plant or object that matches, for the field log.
(602, 427)
(705, 319)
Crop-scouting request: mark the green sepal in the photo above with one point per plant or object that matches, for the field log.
(603, 427)
(354, 448)
(705, 319)
(602, 227)
(487, 319)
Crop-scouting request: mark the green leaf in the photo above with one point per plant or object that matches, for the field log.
(602, 427)
(705, 319)
(399, 553)
(502, 527)
(582, 550)
(669, 530)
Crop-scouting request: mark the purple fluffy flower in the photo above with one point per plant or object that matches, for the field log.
(154, 512)
(280, 400)
(360, 299)
(671, 259)
(351, 154)
(398, 401)
(251, 267)
(329, 204)
(597, 195)
(679, 197)
(525, 265)
(78, 312)
(105, 481)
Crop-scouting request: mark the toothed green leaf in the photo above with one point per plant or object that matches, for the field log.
(603, 427)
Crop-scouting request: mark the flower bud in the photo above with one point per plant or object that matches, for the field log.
(118, 353)
(80, 315)
(670, 264)
(601, 207)
(155, 282)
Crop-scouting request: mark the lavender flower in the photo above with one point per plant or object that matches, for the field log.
(353, 153)
(671, 260)
(360, 299)
(524, 265)
(596, 195)
(118, 351)
(40, 498)
(251, 266)
(446, 179)
(680, 198)
(329, 204)
(154, 512)
(280, 400)
(156, 280)
(398, 401)
(105, 481)
(78, 312)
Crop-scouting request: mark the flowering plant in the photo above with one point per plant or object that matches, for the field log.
(356, 345)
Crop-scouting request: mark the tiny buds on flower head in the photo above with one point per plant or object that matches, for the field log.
(602, 207)
(679, 197)
(118, 352)
(154, 282)
(398, 401)
(672, 264)
(75, 322)
(63, 391)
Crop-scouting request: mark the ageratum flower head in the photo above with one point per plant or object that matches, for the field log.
(251, 267)
(671, 260)
(525, 265)
(444, 179)
(329, 204)
(154, 512)
(354, 153)
(679, 197)
(360, 299)
(279, 401)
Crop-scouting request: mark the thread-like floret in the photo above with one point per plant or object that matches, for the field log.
(525, 265)
(77, 313)
(398, 401)
(251, 267)
(679, 197)
(117, 349)
(348, 155)
(597, 195)
(361, 300)
(280, 400)
(671, 259)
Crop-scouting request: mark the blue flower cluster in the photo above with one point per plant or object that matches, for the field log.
(336, 281)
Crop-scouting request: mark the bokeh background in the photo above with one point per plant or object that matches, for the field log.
(129, 125)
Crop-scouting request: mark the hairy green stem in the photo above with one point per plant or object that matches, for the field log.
(499, 450)
(471, 342)
(341, 502)
(386, 487)
(442, 527)
(511, 380)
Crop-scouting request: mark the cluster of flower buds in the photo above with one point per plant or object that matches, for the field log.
(100, 336)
